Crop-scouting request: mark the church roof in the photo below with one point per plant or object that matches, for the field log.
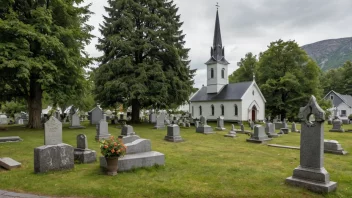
(233, 91)
(217, 52)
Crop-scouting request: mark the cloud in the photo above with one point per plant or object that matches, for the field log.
(249, 26)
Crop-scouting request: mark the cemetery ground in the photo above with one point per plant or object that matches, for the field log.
(201, 166)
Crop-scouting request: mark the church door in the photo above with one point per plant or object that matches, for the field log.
(254, 111)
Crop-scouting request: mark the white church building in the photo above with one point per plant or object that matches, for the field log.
(241, 101)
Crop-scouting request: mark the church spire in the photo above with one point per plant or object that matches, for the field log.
(217, 52)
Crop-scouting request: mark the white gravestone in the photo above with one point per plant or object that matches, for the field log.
(53, 131)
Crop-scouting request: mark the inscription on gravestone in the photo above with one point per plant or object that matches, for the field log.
(53, 131)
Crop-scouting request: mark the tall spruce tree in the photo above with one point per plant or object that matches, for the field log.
(145, 62)
(41, 49)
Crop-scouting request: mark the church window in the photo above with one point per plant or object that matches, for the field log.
(192, 111)
(331, 97)
(212, 110)
(253, 92)
(211, 73)
(222, 110)
(236, 110)
(223, 73)
(200, 110)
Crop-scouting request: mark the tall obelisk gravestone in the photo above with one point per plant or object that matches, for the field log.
(311, 173)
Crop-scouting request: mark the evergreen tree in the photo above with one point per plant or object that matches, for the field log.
(287, 77)
(41, 49)
(145, 62)
(248, 66)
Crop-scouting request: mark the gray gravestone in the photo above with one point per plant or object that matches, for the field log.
(127, 130)
(53, 131)
(75, 122)
(259, 135)
(333, 146)
(311, 173)
(160, 121)
(271, 131)
(337, 125)
(232, 133)
(220, 124)
(173, 133)
(204, 127)
(102, 130)
(284, 131)
(152, 118)
(82, 154)
(95, 115)
(294, 128)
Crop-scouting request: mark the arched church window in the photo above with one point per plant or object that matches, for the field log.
(192, 111)
(236, 110)
(200, 110)
(212, 110)
(211, 73)
(223, 73)
(222, 110)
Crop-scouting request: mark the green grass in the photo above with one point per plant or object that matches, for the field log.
(201, 166)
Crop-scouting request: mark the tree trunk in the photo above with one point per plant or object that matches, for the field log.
(35, 105)
(135, 111)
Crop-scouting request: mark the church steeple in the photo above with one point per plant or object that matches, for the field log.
(217, 65)
(217, 52)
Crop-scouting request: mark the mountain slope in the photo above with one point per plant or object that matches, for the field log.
(332, 53)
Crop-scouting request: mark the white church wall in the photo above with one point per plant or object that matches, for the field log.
(217, 82)
(248, 100)
(229, 110)
(343, 107)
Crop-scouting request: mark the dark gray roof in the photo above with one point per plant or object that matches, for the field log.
(217, 52)
(233, 91)
(346, 98)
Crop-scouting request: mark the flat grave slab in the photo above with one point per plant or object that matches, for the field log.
(10, 139)
(9, 163)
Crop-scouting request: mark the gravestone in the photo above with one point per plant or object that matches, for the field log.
(95, 115)
(188, 124)
(220, 124)
(345, 121)
(9, 163)
(284, 124)
(259, 135)
(311, 173)
(52, 131)
(337, 125)
(333, 146)
(160, 121)
(251, 124)
(196, 124)
(82, 154)
(294, 129)
(19, 121)
(284, 131)
(173, 133)
(3, 120)
(152, 118)
(127, 130)
(102, 130)
(10, 139)
(138, 154)
(54, 155)
(271, 131)
(231, 133)
(75, 122)
(203, 127)
(330, 121)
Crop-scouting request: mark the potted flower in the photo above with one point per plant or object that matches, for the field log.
(112, 149)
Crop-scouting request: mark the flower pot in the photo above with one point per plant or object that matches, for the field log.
(111, 165)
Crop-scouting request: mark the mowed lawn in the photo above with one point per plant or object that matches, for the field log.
(201, 166)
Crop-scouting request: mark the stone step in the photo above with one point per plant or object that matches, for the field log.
(138, 160)
(138, 146)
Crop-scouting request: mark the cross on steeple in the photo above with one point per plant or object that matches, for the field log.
(217, 5)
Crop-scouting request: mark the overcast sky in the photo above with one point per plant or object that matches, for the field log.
(249, 26)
